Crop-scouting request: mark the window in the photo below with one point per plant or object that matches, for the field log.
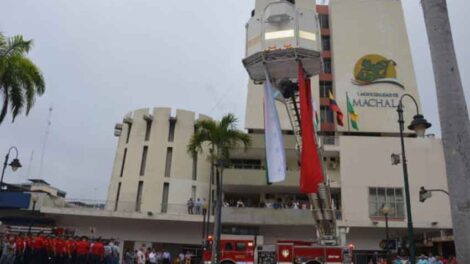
(193, 192)
(138, 200)
(324, 23)
(240, 246)
(194, 176)
(169, 155)
(327, 65)
(325, 42)
(148, 129)
(245, 164)
(326, 115)
(123, 161)
(166, 190)
(143, 161)
(129, 127)
(228, 246)
(171, 131)
(117, 197)
(380, 197)
(325, 88)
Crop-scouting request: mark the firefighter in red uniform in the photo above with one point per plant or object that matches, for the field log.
(71, 250)
(97, 252)
(19, 247)
(59, 250)
(39, 249)
(83, 249)
(28, 251)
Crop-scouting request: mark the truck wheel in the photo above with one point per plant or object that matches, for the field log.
(313, 262)
(227, 262)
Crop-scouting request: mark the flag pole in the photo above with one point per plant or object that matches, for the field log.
(347, 110)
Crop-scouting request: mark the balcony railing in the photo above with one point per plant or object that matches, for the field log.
(283, 215)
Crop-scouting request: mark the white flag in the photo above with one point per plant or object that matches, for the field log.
(275, 153)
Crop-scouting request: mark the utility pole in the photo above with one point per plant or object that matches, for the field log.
(455, 124)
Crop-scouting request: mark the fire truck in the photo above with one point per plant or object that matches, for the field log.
(282, 39)
(237, 249)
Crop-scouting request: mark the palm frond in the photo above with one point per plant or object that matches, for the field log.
(16, 45)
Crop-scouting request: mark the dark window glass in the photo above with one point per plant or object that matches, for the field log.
(325, 42)
(171, 132)
(325, 88)
(129, 127)
(143, 161)
(324, 21)
(169, 156)
(240, 246)
(148, 129)
(228, 246)
(326, 115)
(123, 162)
(194, 166)
(117, 197)
(166, 190)
(327, 65)
(245, 164)
(138, 201)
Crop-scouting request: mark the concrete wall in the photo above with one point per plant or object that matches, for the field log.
(180, 180)
(365, 162)
(363, 27)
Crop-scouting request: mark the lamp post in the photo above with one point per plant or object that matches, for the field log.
(386, 211)
(419, 125)
(15, 164)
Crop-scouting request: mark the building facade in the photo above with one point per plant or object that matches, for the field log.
(366, 60)
(153, 172)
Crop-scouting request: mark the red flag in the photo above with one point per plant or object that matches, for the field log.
(311, 173)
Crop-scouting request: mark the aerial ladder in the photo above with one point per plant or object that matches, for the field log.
(279, 36)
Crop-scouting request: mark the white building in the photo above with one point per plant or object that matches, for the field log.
(366, 56)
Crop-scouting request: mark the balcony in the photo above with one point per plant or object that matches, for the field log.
(269, 216)
(266, 216)
(256, 178)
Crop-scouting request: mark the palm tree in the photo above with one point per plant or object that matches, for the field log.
(20, 79)
(455, 124)
(221, 137)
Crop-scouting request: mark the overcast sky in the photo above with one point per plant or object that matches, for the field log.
(104, 58)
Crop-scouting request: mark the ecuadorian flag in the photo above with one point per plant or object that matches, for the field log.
(352, 114)
(335, 108)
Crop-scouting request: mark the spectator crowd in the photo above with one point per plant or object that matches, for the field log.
(153, 256)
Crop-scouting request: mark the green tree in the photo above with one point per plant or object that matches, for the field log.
(220, 138)
(20, 79)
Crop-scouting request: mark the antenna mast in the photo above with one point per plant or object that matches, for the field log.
(44, 142)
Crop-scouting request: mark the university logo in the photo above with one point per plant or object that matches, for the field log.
(374, 68)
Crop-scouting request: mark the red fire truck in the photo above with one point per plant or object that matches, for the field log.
(239, 249)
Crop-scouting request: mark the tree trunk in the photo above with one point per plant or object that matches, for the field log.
(454, 119)
(217, 218)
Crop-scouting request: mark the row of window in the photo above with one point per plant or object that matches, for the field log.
(148, 128)
(168, 161)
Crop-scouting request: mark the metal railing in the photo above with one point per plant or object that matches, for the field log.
(133, 207)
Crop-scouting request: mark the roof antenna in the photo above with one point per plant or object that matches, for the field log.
(44, 142)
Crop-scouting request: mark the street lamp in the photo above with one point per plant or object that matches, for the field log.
(385, 211)
(419, 125)
(15, 164)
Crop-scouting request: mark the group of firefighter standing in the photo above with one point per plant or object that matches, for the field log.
(42, 249)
